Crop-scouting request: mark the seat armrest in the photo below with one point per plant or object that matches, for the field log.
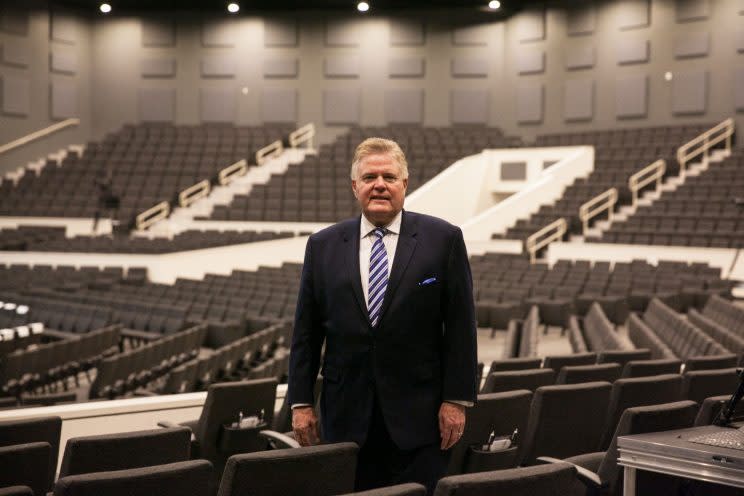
(281, 440)
(586, 476)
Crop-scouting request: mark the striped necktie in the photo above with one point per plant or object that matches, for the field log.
(378, 276)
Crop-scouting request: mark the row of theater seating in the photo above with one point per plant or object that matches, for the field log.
(23, 237)
(595, 332)
(19, 277)
(148, 163)
(187, 240)
(726, 314)
(26, 370)
(19, 337)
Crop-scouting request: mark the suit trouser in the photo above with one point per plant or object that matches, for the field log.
(381, 463)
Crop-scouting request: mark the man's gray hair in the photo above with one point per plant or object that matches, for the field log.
(374, 146)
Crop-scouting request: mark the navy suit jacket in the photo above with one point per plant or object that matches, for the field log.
(422, 351)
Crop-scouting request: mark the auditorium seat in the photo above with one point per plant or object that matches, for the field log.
(710, 362)
(540, 480)
(646, 368)
(500, 413)
(26, 465)
(623, 356)
(576, 374)
(511, 380)
(640, 391)
(312, 471)
(520, 363)
(16, 491)
(125, 450)
(409, 489)
(700, 384)
(193, 477)
(42, 429)
(711, 407)
(557, 413)
(600, 471)
(557, 362)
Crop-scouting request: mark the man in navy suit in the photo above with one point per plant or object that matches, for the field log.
(390, 295)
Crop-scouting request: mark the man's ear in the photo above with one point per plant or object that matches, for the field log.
(354, 188)
(405, 184)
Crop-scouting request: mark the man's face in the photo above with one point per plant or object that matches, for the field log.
(380, 188)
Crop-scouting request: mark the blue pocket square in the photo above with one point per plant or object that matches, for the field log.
(430, 280)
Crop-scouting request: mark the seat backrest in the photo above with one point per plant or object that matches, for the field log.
(224, 402)
(557, 413)
(701, 384)
(639, 391)
(576, 374)
(125, 450)
(518, 379)
(710, 362)
(623, 356)
(646, 368)
(310, 471)
(25, 465)
(515, 364)
(500, 413)
(45, 429)
(640, 420)
(193, 477)
(410, 489)
(16, 491)
(556, 362)
(558, 478)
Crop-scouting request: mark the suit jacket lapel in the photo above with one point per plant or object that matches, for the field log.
(403, 252)
(351, 256)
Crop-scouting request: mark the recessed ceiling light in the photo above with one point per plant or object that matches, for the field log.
(362, 6)
(494, 4)
(105, 8)
(668, 76)
(233, 7)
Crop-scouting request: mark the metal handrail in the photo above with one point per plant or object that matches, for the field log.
(534, 244)
(152, 215)
(269, 151)
(305, 134)
(39, 134)
(229, 173)
(649, 174)
(604, 201)
(704, 142)
(193, 193)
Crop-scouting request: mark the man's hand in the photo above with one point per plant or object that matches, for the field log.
(305, 425)
(451, 423)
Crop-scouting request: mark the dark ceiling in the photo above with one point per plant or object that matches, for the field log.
(259, 6)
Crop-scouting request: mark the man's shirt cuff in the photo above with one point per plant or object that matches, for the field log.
(466, 404)
(300, 405)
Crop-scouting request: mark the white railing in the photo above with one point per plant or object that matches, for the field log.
(229, 173)
(542, 238)
(303, 135)
(703, 143)
(152, 215)
(649, 174)
(269, 151)
(39, 134)
(193, 193)
(602, 202)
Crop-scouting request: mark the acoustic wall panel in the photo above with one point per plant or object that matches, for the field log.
(158, 68)
(341, 106)
(406, 33)
(631, 96)
(692, 10)
(342, 66)
(218, 34)
(470, 35)
(530, 61)
(469, 106)
(217, 104)
(580, 55)
(578, 100)
(157, 104)
(739, 89)
(530, 103)
(279, 105)
(634, 14)
(16, 52)
(63, 61)
(404, 106)
(64, 102)
(581, 20)
(689, 92)
(692, 45)
(513, 171)
(218, 66)
(281, 68)
(530, 25)
(280, 33)
(158, 33)
(632, 52)
(411, 67)
(62, 28)
(14, 21)
(342, 33)
(16, 95)
(469, 67)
